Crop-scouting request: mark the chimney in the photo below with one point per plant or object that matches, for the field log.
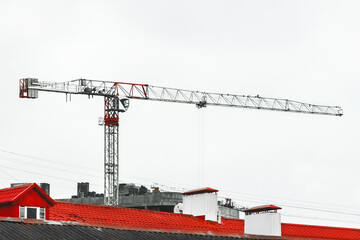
(82, 189)
(201, 202)
(263, 220)
(46, 187)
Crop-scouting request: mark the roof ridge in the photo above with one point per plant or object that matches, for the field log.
(25, 188)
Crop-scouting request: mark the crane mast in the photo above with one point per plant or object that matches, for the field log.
(116, 100)
(111, 151)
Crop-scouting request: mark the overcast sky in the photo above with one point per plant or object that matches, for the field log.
(300, 50)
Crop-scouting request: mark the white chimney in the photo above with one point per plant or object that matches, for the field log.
(263, 220)
(201, 202)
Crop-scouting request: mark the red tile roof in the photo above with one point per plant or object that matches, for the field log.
(318, 232)
(262, 208)
(200, 190)
(136, 219)
(9, 195)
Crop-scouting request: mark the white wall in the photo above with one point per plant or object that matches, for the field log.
(266, 224)
(200, 205)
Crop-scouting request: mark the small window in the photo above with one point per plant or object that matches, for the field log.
(32, 212)
(42, 213)
(22, 212)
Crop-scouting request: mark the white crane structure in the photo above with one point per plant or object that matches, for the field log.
(116, 99)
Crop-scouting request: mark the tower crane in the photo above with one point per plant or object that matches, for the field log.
(116, 100)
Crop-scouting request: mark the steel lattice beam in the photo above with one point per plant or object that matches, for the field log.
(201, 99)
(111, 165)
(111, 150)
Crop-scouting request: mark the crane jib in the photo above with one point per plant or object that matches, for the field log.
(29, 88)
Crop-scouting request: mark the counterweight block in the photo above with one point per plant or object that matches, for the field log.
(25, 85)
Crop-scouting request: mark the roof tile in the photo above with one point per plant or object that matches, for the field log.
(127, 218)
(8, 195)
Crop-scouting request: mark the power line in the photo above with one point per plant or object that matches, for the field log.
(262, 201)
(259, 200)
(287, 199)
(41, 174)
(299, 207)
(9, 175)
(294, 206)
(52, 184)
(46, 160)
(286, 215)
(48, 167)
(252, 199)
(236, 193)
(317, 218)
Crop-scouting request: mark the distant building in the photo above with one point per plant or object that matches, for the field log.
(140, 197)
(83, 191)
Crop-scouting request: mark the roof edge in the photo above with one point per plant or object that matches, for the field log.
(201, 190)
(262, 208)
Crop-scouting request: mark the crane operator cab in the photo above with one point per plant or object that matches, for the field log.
(123, 107)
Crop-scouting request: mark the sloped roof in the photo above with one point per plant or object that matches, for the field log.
(318, 232)
(127, 218)
(138, 219)
(262, 208)
(9, 195)
(26, 230)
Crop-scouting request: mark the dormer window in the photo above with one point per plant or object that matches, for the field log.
(26, 201)
(32, 212)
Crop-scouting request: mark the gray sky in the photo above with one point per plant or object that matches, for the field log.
(300, 50)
